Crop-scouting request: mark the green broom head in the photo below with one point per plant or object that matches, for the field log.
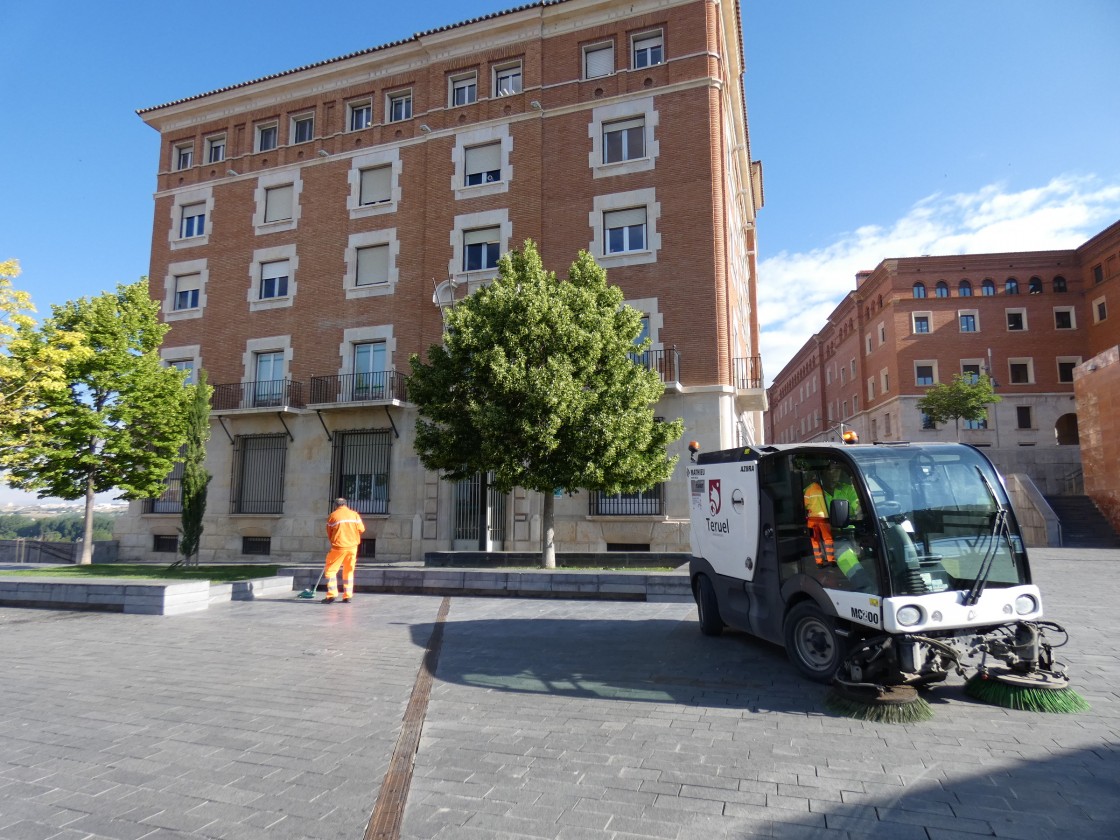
(1037, 691)
(878, 704)
(307, 593)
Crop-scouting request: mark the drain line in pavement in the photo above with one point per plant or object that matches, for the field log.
(385, 822)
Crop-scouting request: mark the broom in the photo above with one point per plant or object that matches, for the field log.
(310, 593)
(1025, 693)
(877, 703)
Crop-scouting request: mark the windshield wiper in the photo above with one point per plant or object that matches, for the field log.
(999, 528)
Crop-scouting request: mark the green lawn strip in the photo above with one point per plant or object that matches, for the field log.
(148, 571)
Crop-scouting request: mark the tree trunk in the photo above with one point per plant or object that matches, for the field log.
(548, 532)
(87, 527)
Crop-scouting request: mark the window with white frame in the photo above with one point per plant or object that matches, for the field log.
(624, 227)
(925, 372)
(882, 334)
(884, 381)
(267, 136)
(598, 60)
(184, 358)
(372, 265)
(193, 220)
(481, 159)
(1021, 371)
(482, 164)
(623, 137)
(187, 289)
(1100, 310)
(867, 345)
(368, 365)
(302, 128)
(216, 148)
(277, 196)
(1016, 320)
(398, 106)
(184, 156)
(871, 387)
(374, 180)
(463, 89)
(1065, 318)
(971, 369)
(969, 320)
(278, 203)
(359, 114)
(274, 279)
(1066, 364)
(920, 322)
(376, 185)
(185, 366)
(649, 49)
(624, 140)
(481, 248)
(624, 231)
(507, 79)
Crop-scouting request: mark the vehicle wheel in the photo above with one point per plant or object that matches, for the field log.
(812, 642)
(707, 607)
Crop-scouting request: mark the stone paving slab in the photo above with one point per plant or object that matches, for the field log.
(276, 718)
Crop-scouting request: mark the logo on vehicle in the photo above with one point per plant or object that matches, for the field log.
(715, 500)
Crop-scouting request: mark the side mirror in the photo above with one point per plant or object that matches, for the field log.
(838, 513)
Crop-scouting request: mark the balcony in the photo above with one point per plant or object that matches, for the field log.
(667, 363)
(746, 376)
(387, 386)
(267, 394)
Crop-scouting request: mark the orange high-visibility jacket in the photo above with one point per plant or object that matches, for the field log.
(345, 528)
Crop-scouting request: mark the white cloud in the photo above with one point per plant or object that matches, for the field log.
(798, 291)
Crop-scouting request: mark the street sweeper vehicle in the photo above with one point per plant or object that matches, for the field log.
(880, 568)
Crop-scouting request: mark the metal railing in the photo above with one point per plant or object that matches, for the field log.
(381, 386)
(266, 393)
(667, 363)
(642, 503)
(746, 373)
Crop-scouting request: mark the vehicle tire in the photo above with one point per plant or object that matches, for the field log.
(812, 642)
(707, 607)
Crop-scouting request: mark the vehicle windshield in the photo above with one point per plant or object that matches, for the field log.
(939, 511)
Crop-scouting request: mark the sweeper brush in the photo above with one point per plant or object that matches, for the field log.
(1037, 692)
(307, 594)
(878, 704)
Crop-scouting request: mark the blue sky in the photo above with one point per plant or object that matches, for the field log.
(886, 128)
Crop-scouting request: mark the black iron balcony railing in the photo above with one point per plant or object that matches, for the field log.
(267, 393)
(667, 363)
(643, 503)
(381, 386)
(747, 373)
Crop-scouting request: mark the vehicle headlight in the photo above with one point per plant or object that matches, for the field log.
(1025, 604)
(908, 616)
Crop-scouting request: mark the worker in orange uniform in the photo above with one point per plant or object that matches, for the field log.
(820, 530)
(344, 530)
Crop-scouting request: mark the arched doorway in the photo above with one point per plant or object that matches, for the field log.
(1065, 430)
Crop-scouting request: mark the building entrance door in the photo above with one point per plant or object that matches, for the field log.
(471, 515)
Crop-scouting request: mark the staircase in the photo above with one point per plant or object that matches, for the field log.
(1083, 526)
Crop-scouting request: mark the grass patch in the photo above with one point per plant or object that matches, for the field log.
(150, 571)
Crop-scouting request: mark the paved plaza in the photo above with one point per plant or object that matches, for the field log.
(575, 720)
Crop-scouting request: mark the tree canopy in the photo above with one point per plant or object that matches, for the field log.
(538, 382)
(966, 397)
(119, 420)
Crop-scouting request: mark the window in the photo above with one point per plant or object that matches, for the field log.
(1064, 318)
(982, 423)
(369, 371)
(193, 220)
(870, 387)
(968, 322)
(1034, 287)
(184, 156)
(165, 543)
(464, 89)
(919, 290)
(921, 323)
(867, 345)
(923, 373)
(1098, 274)
(927, 423)
(598, 60)
(267, 137)
(399, 106)
(624, 140)
(507, 79)
(269, 381)
(884, 381)
(625, 230)
(216, 148)
(274, 280)
(373, 265)
(1016, 320)
(988, 288)
(641, 503)
(256, 546)
(1059, 285)
(361, 114)
(1066, 364)
(375, 185)
(361, 469)
(483, 164)
(1023, 419)
(882, 334)
(480, 249)
(187, 367)
(1021, 371)
(278, 203)
(964, 289)
(303, 128)
(971, 371)
(186, 291)
(942, 289)
(258, 481)
(1011, 287)
(1100, 310)
(648, 49)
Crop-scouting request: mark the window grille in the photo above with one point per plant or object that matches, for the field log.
(360, 472)
(258, 474)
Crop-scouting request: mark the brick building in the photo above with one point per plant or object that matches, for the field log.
(1036, 321)
(311, 227)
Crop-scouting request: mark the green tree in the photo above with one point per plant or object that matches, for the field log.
(196, 478)
(120, 420)
(536, 382)
(966, 397)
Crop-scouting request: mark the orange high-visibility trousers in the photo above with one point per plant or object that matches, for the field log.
(346, 558)
(820, 534)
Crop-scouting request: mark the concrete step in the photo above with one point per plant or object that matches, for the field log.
(1083, 525)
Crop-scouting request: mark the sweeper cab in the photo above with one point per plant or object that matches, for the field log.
(880, 568)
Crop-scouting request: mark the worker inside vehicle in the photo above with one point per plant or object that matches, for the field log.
(840, 541)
